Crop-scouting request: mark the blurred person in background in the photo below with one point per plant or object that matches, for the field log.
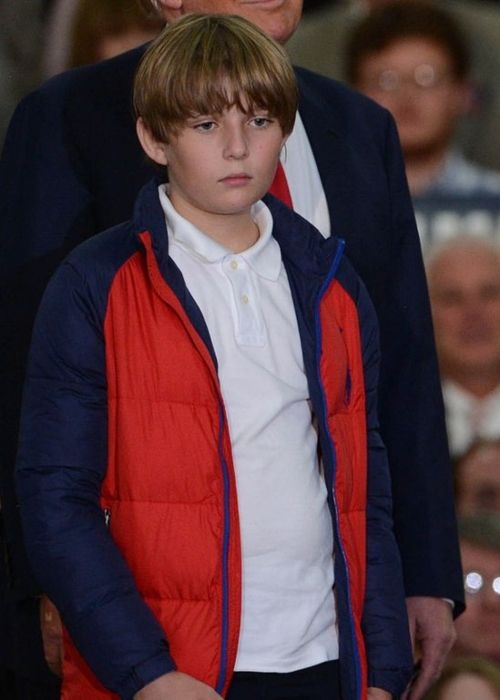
(345, 174)
(467, 679)
(20, 50)
(319, 44)
(412, 58)
(80, 32)
(478, 628)
(464, 286)
(477, 479)
(105, 28)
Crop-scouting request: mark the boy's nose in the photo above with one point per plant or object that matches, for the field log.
(236, 145)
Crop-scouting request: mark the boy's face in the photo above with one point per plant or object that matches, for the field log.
(218, 165)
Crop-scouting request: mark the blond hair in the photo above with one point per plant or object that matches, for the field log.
(205, 64)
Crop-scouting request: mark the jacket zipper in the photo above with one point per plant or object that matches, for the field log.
(221, 679)
(107, 516)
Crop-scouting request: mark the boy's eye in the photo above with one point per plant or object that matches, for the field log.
(261, 122)
(205, 126)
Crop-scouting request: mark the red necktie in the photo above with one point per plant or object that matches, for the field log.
(279, 187)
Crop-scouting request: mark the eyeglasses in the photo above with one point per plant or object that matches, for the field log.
(475, 582)
(424, 77)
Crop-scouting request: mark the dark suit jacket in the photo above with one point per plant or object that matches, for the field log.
(72, 166)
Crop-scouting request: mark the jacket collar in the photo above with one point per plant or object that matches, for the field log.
(309, 259)
(303, 248)
(264, 256)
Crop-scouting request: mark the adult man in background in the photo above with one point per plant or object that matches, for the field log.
(345, 173)
(320, 41)
(464, 285)
(411, 57)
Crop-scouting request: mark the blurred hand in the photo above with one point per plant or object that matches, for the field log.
(52, 635)
(433, 634)
(176, 686)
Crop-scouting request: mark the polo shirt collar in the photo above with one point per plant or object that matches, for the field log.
(264, 257)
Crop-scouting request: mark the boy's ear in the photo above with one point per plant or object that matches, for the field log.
(153, 148)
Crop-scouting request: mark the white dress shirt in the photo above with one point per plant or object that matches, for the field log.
(304, 183)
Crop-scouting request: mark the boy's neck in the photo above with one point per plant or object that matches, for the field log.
(236, 232)
(237, 238)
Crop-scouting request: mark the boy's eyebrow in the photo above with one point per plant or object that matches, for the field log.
(252, 109)
(202, 115)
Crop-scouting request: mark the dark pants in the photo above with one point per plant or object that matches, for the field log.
(319, 682)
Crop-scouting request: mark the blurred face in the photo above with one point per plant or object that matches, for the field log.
(413, 79)
(467, 686)
(478, 626)
(278, 18)
(479, 478)
(464, 284)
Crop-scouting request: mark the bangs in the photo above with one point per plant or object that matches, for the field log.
(210, 89)
(224, 62)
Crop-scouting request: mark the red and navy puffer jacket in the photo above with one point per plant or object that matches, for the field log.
(125, 474)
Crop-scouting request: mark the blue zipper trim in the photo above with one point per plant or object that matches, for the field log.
(221, 680)
(333, 270)
(331, 275)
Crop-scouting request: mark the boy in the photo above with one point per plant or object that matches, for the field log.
(174, 506)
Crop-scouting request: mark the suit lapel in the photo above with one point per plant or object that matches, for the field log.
(331, 153)
(350, 165)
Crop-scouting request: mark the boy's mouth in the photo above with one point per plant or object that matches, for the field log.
(236, 179)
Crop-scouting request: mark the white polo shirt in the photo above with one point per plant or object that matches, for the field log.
(288, 610)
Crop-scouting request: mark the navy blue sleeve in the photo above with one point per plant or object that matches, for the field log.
(411, 408)
(61, 464)
(385, 622)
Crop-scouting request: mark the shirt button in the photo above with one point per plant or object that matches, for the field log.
(234, 264)
(245, 299)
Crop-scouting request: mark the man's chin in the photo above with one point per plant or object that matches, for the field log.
(277, 18)
(417, 150)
